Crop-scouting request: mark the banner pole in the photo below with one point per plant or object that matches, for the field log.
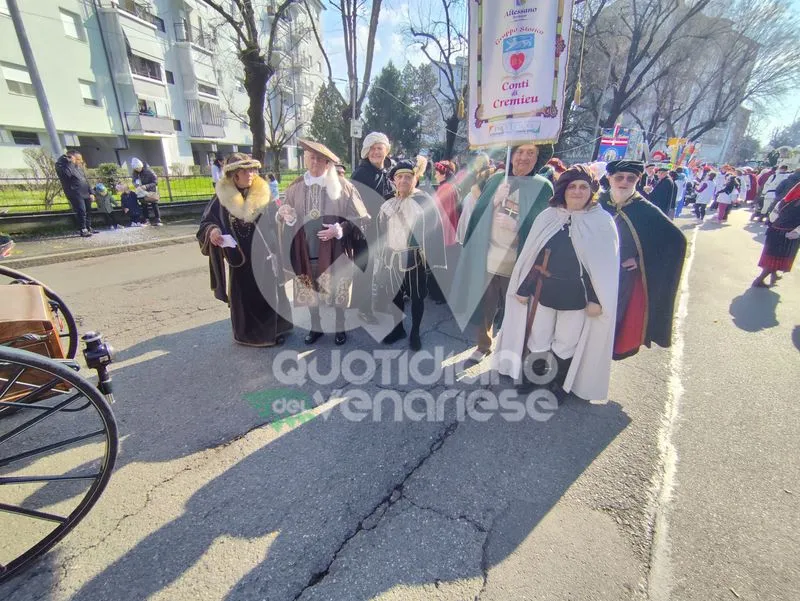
(508, 163)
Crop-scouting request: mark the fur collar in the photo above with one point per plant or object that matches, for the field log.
(247, 208)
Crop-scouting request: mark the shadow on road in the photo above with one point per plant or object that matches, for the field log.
(314, 486)
(755, 310)
(796, 337)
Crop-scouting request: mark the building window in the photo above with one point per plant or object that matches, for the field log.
(176, 123)
(73, 25)
(210, 114)
(17, 79)
(88, 92)
(170, 76)
(25, 138)
(145, 67)
(206, 89)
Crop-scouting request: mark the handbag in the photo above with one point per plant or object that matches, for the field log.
(152, 197)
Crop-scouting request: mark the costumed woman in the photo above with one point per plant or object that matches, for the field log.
(651, 252)
(562, 297)
(318, 217)
(446, 198)
(410, 233)
(783, 239)
(371, 179)
(238, 229)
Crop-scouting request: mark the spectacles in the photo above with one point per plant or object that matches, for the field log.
(625, 178)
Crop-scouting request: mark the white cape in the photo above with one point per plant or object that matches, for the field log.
(596, 243)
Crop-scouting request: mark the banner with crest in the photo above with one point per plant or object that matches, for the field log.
(518, 55)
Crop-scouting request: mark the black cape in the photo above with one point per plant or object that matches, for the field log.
(257, 298)
(662, 251)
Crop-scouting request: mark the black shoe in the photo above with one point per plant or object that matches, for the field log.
(415, 343)
(94, 231)
(340, 338)
(312, 337)
(367, 317)
(280, 339)
(397, 334)
(86, 234)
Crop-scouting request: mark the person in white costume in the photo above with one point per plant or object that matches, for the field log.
(562, 298)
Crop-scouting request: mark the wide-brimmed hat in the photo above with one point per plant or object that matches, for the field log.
(319, 149)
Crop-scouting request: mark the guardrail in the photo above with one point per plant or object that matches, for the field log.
(26, 194)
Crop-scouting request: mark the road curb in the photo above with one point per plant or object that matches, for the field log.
(89, 253)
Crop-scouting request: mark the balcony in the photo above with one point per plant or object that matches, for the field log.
(145, 123)
(141, 11)
(184, 32)
(205, 119)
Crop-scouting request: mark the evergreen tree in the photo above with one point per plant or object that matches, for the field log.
(390, 111)
(327, 125)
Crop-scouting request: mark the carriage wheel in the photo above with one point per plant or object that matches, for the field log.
(54, 464)
(68, 329)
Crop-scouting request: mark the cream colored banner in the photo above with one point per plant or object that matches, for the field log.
(518, 55)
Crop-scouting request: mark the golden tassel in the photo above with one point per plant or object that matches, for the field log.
(461, 110)
(577, 100)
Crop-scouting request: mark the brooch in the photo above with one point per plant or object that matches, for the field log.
(314, 214)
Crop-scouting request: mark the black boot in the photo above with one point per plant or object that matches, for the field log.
(398, 333)
(527, 385)
(557, 385)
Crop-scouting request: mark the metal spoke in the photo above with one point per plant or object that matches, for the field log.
(42, 416)
(50, 447)
(33, 514)
(13, 405)
(29, 479)
(42, 389)
(11, 381)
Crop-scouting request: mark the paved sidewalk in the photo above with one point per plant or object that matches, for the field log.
(45, 250)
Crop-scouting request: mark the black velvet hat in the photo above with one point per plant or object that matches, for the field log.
(623, 166)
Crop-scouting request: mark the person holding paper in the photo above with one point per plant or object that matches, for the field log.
(238, 234)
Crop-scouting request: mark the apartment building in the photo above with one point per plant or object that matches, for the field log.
(158, 80)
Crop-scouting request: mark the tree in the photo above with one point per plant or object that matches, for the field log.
(351, 11)
(747, 150)
(436, 31)
(45, 179)
(786, 136)
(327, 125)
(389, 110)
(257, 56)
(420, 83)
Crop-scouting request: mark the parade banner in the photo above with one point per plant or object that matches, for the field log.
(613, 144)
(518, 55)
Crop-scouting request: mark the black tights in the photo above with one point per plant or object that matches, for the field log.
(417, 309)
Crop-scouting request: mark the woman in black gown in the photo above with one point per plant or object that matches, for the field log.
(783, 239)
(238, 233)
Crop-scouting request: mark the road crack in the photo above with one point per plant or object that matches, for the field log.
(372, 519)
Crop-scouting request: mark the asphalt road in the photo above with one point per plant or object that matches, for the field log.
(682, 486)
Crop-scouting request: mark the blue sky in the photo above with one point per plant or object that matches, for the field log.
(390, 45)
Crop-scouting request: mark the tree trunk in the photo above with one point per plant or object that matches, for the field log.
(276, 162)
(256, 76)
(451, 127)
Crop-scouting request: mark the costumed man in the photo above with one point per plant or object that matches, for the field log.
(319, 215)
(238, 228)
(446, 198)
(411, 244)
(564, 289)
(649, 181)
(496, 233)
(652, 252)
(664, 193)
(372, 181)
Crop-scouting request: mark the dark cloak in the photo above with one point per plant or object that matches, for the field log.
(661, 250)
(257, 312)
